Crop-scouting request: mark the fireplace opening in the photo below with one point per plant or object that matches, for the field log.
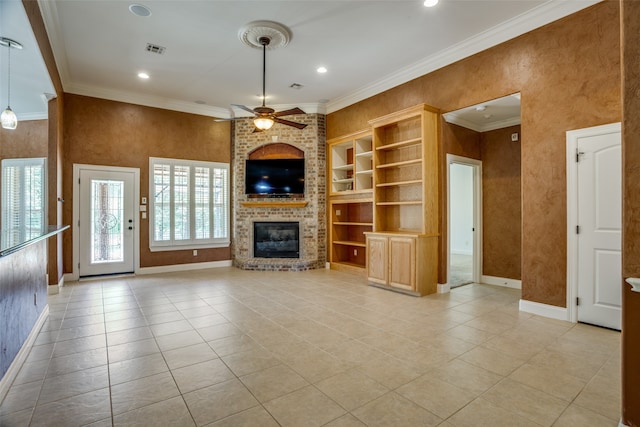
(276, 240)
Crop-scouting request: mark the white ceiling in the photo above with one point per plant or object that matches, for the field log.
(494, 114)
(29, 77)
(367, 46)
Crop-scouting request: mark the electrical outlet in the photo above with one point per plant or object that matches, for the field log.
(514, 136)
(355, 252)
(195, 252)
(338, 212)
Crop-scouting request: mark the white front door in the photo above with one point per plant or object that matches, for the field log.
(599, 234)
(107, 221)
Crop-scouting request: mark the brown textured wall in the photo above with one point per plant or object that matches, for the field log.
(501, 204)
(56, 108)
(460, 142)
(109, 133)
(630, 211)
(568, 74)
(29, 139)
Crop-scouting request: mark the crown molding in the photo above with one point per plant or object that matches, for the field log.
(148, 100)
(51, 20)
(32, 116)
(521, 24)
(177, 105)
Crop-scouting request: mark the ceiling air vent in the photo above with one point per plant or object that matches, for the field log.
(154, 48)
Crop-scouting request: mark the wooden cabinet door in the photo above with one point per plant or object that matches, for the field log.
(377, 256)
(402, 263)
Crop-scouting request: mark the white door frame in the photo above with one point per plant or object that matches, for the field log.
(77, 167)
(572, 210)
(477, 213)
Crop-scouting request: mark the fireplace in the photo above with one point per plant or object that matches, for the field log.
(276, 240)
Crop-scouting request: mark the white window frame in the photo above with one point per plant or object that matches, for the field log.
(22, 163)
(192, 243)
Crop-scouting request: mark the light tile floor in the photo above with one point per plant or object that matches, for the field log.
(225, 347)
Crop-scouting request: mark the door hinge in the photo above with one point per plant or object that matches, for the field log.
(577, 229)
(577, 300)
(78, 266)
(578, 154)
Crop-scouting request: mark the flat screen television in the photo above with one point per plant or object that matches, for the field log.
(274, 177)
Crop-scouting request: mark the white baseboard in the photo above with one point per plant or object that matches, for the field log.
(327, 265)
(69, 277)
(443, 288)
(545, 310)
(501, 281)
(184, 267)
(20, 358)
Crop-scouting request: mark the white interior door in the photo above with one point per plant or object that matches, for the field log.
(106, 221)
(599, 235)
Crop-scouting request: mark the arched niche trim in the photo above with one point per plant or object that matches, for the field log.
(277, 150)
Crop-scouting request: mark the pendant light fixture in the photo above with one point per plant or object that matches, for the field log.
(8, 117)
(263, 121)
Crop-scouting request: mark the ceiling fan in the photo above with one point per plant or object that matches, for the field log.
(265, 116)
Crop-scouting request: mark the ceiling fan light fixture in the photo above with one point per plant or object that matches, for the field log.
(263, 123)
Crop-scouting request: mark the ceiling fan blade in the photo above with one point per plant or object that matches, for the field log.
(289, 112)
(257, 130)
(243, 107)
(289, 123)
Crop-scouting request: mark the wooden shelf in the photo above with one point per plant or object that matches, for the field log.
(349, 243)
(400, 144)
(342, 181)
(343, 167)
(365, 154)
(399, 183)
(262, 204)
(399, 164)
(367, 172)
(364, 224)
(407, 203)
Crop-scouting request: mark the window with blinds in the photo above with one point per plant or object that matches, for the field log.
(23, 200)
(188, 204)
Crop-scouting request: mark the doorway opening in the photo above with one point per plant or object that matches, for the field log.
(464, 176)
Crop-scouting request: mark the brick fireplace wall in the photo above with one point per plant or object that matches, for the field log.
(312, 218)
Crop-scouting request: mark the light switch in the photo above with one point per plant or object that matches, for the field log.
(143, 208)
(144, 215)
(144, 200)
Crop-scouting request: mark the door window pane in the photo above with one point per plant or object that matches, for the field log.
(107, 214)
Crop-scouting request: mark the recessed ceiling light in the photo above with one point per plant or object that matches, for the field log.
(321, 70)
(481, 108)
(430, 3)
(143, 75)
(139, 10)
